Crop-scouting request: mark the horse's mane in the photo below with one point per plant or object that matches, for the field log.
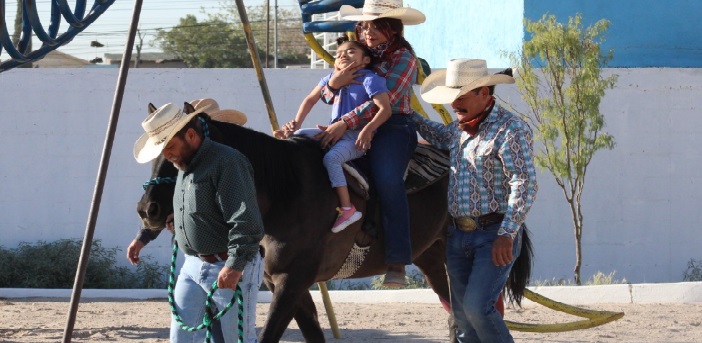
(278, 164)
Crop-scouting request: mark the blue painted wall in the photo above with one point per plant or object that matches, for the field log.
(461, 29)
(642, 33)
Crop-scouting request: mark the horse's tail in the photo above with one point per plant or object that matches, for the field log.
(521, 270)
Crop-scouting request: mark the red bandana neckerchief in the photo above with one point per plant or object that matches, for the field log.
(472, 126)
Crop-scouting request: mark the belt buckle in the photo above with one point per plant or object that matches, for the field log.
(466, 224)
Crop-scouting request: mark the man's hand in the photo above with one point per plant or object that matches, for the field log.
(502, 251)
(228, 278)
(133, 251)
(169, 223)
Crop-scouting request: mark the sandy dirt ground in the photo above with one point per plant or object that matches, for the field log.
(113, 320)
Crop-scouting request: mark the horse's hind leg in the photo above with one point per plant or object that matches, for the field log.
(432, 263)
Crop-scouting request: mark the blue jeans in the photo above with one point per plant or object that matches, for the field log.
(195, 280)
(391, 151)
(476, 284)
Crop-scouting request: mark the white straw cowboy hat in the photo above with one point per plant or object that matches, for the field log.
(160, 126)
(226, 115)
(376, 9)
(460, 77)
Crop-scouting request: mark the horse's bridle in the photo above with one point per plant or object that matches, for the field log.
(171, 179)
(159, 181)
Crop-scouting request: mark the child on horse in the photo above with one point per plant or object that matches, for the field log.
(354, 143)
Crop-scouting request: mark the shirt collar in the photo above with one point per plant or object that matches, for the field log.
(199, 155)
(494, 115)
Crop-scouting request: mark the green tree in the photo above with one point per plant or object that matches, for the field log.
(209, 44)
(292, 47)
(564, 99)
(220, 42)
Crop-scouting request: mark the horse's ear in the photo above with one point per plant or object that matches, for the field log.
(188, 108)
(152, 108)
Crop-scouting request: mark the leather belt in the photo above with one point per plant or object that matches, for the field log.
(468, 224)
(218, 257)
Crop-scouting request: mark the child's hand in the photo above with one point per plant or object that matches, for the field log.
(292, 125)
(288, 130)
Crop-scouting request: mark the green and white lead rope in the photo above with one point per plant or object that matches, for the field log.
(208, 318)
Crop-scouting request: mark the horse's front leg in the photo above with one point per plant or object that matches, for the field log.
(307, 319)
(305, 315)
(291, 298)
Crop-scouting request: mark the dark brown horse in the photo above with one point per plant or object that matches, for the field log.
(298, 205)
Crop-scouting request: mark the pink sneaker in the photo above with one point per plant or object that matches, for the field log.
(345, 218)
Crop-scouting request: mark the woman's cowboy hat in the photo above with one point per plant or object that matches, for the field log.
(460, 77)
(160, 126)
(229, 116)
(376, 9)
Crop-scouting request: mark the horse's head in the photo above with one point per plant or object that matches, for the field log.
(157, 202)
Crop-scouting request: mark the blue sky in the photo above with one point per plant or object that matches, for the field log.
(111, 28)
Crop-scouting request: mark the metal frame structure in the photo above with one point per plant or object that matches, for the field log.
(311, 29)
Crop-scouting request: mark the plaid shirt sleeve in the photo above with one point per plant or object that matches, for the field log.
(401, 75)
(517, 157)
(328, 94)
(439, 135)
(399, 78)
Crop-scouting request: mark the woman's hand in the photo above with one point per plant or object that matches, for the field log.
(344, 76)
(331, 133)
(363, 142)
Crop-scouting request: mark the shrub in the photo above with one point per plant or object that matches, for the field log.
(694, 271)
(415, 279)
(552, 282)
(602, 279)
(54, 265)
(598, 279)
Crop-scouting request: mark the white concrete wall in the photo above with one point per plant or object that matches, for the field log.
(639, 200)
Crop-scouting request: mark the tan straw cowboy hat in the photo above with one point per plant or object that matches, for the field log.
(376, 9)
(160, 126)
(229, 116)
(460, 77)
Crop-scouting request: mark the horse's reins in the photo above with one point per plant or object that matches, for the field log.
(208, 318)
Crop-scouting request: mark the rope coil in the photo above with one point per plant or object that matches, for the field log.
(208, 318)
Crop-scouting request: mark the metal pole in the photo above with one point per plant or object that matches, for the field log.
(257, 64)
(275, 36)
(268, 30)
(102, 172)
(274, 126)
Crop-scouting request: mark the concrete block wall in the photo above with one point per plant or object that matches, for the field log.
(638, 205)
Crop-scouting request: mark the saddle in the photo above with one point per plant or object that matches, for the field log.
(428, 164)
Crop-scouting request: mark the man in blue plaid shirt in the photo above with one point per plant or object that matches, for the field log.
(492, 186)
